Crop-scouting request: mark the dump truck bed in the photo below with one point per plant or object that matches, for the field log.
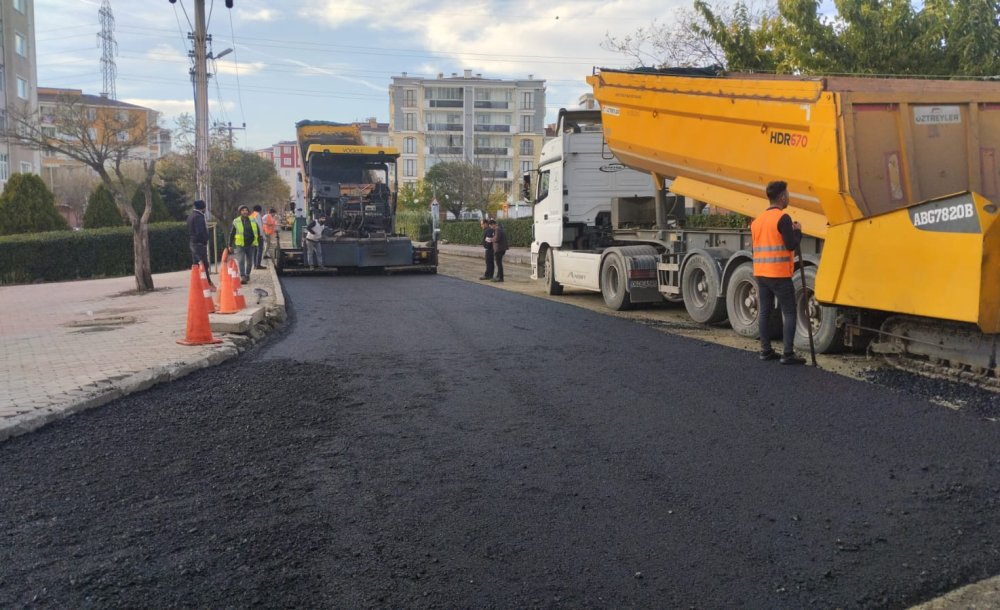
(897, 176)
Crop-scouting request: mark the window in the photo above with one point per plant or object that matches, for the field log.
(379, 141)
(527, 147)
(92, 133)
(19, 5)
(27, 167)
(409, 98)
(22, 88)
(123, 136)
(409, 121)
(4, 167)
(410, 168)
(543, 186)
(525, 167)
(20, 45)
(92, 114)
(409, 145)
(528, 100)
(527, 123)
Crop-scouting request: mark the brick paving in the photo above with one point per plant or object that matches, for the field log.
(73, 345)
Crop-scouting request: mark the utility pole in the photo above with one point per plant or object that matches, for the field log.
(109, 48)
(228, 128)
(203, 177)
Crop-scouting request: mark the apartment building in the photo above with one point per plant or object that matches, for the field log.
(496, 124)
(71, 180)
(18, 82)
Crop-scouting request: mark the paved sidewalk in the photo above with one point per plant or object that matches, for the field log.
(69, 346)
(514, 256)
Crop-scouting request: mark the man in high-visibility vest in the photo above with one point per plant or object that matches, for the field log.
(775, 238)
(243, 241)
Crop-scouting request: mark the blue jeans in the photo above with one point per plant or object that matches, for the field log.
(245, 259)
(767, 289)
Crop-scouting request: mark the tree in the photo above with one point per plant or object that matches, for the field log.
(159, 213)
(71, 187)
(101, 209)
(887, 37)
(105, 138)
(460, 185)
(28, 206)
(415, 196)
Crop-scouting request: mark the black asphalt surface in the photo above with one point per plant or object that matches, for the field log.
(425, 442)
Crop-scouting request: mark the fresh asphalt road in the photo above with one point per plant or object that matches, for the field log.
(424, 441)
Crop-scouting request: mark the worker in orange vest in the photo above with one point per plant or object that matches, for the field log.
(775, 238)
(270, 232)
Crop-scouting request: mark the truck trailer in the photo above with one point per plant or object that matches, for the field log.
(893, 181)
(354, 187)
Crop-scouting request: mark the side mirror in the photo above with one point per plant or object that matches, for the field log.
(526, 188)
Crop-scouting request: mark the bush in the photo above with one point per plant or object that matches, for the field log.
(89, 254)
(468, 232)
(159, 212)
(28, 206)
(417, 225)
(717, 221)
(101, 210)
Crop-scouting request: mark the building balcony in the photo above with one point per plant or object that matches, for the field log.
(445, 103)
(500, 174)
(492, 128)
(445, 150)
(493, 105)
(499, 152)
(444, 127)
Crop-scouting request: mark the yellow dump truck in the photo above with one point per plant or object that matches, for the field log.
(894, 180)
(352, 186)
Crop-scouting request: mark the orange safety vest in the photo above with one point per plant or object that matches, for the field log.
(770, 256)
(270, 223)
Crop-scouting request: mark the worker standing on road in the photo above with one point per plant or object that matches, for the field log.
(488, 247)
(243, 242)
(259, 219)
(775, 237)
(198, 234)
(499, 247)
(270, 232)
(314, 249)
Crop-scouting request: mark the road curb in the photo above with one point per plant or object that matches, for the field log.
(110, 389)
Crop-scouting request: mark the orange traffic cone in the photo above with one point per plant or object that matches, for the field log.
(207, 289)
(199, 332)
(227, 294)
(234, 270)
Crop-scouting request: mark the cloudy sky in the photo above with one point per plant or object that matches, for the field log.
(330, 59)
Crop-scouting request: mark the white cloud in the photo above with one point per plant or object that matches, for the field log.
(171, 108)
(264, 14)
(225, 66)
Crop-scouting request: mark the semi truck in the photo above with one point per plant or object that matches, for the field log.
(354, 187)
(892, 180)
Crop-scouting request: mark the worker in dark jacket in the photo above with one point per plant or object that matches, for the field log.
(198, 234)
(243, 241)
(488, 248)
(499, 247)
(775, 238)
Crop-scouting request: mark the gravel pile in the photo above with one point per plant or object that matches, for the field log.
(965, 397)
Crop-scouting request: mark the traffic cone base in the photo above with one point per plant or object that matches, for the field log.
(199, 331)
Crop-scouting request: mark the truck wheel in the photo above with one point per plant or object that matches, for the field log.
(827, 338)
(702, 291)
(743, 304)
(614, 281)
(554, 287)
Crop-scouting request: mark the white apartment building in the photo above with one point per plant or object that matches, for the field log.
(18, 82)
(497, 124)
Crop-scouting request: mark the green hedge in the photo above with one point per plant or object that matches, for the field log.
(91, 253)
(717, 221)
(414, 224)
(469, 232)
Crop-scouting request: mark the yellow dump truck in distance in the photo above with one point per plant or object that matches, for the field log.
(896, 179)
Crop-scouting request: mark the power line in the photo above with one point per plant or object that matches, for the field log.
(239, 94)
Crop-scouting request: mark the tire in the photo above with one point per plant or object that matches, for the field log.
(614, 283)
(279, 262)
(701, 290)
(827, 338)
(743, 304)
(554, 288)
